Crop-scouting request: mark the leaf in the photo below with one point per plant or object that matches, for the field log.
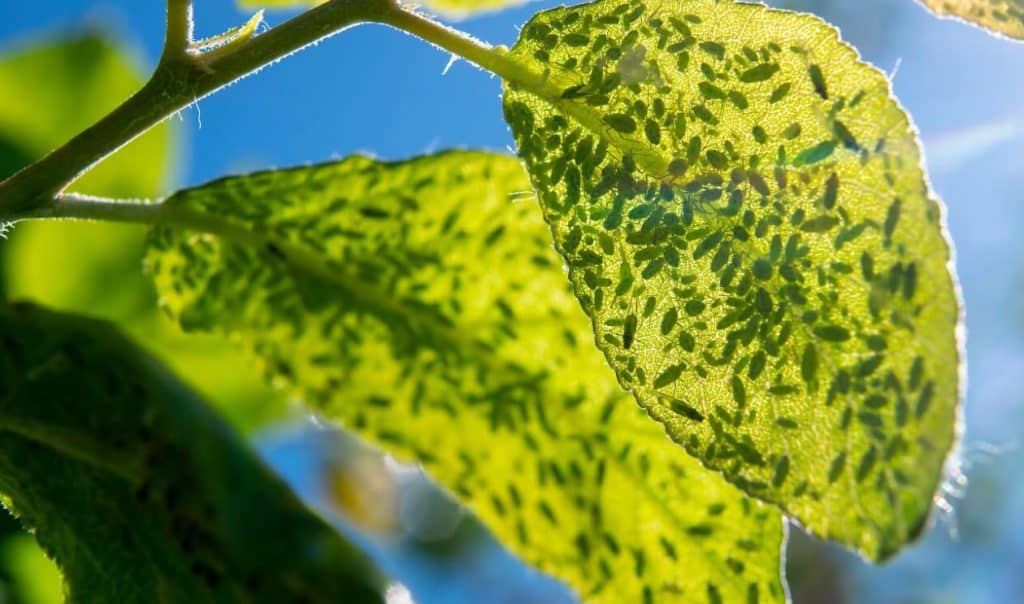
(28, 575)
(87, 76)
(1004, 17)
(138, 491)
(418, 305)
(763, 248)
(449, 8)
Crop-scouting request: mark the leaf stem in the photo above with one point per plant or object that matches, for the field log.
(72, 206)
(174, 85)
(493, 59)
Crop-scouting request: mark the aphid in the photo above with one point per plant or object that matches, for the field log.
(818, 80)
(739, 100)
(781, 471)
(668, 321)
(836, 469)
(653, 131)
(705, 115)
(759, 73)
(867, 266)
(710, 91)
(713, 48)
(628, 331)
(924, 400)
(891, 218)
(739, 392)
(832, 191)
(621, 122)
(780, 93)
(845, 137)
(809, 363)
(867, 462)
(669, 375)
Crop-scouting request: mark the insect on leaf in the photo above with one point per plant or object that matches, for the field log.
(1004, 17)
(138, 491)
(762, 246)
(419, 304)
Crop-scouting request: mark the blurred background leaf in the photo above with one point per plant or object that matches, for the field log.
(28, 576)
(95, 269)
(139, 491)
(61, 87)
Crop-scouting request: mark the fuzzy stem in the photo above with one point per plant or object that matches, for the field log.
(179, 29)
(178, 81)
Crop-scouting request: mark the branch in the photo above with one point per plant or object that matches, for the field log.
(186, 74)
(179, 30)
(73, 206)
(174, 86)
(480, 53)
(136, 211)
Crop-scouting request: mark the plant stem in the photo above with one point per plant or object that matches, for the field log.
(177, 82)
(486, 56)
(82, 207)
(179, 29)
(183, 77)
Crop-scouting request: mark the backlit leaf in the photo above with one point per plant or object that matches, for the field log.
(1005, 17)
(419, 305)
(140, 493)
(762, 248)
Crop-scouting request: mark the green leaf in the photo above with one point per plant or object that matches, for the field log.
(763, 263)
(138, 491)
(450, 8)
(1004, 17)
(420, 305)
(29, 576)
(85, 77)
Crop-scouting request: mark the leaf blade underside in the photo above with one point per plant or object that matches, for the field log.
(418, 305)
(741, 205)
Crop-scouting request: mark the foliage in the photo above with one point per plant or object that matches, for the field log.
(138, 491)
(753, 254)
